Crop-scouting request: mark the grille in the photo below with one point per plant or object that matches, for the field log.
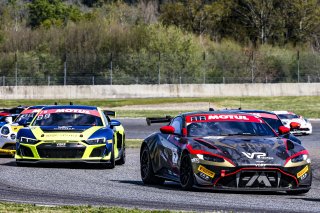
(257, 179)
(61, 152)
(97, 152)
(25, 151)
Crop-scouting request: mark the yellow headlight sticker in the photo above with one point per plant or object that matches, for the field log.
(303, 171)
(206, 171)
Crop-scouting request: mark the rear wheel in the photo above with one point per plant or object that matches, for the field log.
(186, 173)
(146, 170)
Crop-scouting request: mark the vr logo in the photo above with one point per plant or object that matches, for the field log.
(251, 155)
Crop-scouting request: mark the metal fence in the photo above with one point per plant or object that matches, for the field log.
(99, 80)
(156, 68)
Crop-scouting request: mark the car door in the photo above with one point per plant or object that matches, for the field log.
(171, 149)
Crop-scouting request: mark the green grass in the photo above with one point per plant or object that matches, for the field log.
(308, 106)
(133, 143)
(11, 207)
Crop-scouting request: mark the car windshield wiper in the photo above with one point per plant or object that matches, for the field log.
(239, 133)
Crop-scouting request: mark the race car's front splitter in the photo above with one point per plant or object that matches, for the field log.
(29, 161)
(222, 188)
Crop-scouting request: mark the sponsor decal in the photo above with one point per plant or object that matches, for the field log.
(222, 117)
(61, 144)
(303, 172)
(82, 111)
(174, 156)
(62, 135)
(262, 178)
(265, 115)
(195, 160)
(248, 145)
(206, 171)
(28, 111)
(64, 128)
(259, 155)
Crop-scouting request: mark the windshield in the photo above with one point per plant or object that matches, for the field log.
(62, 118)
(275, 124)
(288, 116)
(28, 117)
(227, 125)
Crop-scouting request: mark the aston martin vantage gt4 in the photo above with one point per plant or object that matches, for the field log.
(225, 151)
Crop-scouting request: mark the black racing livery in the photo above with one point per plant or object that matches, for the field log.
(225, 151)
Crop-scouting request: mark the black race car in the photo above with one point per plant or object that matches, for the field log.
(273, 120)
(225, 151)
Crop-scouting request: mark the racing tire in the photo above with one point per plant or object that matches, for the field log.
(122, 159)
(186, 173)
(298, 192)
(146, 169)
(112, 163)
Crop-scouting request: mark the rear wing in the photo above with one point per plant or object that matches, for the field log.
(110, 113)
(166, 119)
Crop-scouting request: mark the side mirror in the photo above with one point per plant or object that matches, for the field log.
(8, 119)
(283, 130)
(114, 123)
(295, 125)
(167, 130)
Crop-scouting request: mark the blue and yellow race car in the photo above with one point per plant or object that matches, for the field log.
(71, 133)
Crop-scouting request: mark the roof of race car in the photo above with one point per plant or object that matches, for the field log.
(70, 107)
(37, 107)
(283, 112)
(249, 111)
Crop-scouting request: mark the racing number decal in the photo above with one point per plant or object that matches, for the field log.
(174, 156)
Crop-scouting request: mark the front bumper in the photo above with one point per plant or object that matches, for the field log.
(7, 147)
(62, 152)
(251, 178)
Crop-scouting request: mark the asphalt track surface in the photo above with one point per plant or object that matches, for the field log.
(90, 185)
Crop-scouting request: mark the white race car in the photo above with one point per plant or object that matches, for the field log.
(8, 132)
(297, 123)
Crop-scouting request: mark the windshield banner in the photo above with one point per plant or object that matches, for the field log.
(222, 117)
(81, 111)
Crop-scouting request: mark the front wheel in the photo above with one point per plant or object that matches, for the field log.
(186, 173)
(146, 170)
(112, 163)
(122, 159)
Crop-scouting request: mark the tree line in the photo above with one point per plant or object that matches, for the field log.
(273, 40)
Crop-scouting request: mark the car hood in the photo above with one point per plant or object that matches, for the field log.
(248, 150)
(63, 132)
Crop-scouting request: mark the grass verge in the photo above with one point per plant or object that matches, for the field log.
(133, 143)
(11, 207)
(308, 106)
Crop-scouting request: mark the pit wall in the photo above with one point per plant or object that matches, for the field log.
(164, 90)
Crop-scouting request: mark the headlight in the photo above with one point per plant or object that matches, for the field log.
(210, 158)
(28, 140)
(96, 141)
(300, 158)
(5, 130)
